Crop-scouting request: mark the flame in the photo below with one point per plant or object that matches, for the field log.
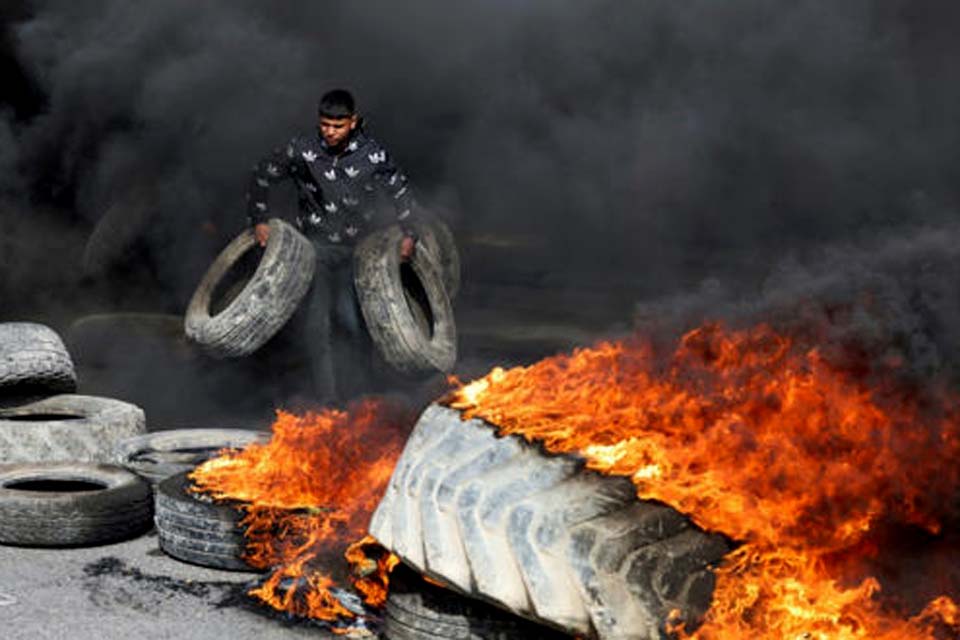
(306, 495)
(752, 435)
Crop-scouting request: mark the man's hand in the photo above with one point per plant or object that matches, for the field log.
(262, 233)
(407, 247)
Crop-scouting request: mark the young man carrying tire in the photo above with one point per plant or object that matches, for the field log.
(340, 174)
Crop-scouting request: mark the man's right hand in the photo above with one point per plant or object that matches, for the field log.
(261, 232)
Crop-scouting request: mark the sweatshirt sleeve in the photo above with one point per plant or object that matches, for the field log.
(274, 168)
(394, 183)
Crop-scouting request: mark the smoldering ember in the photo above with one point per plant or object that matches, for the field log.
(540, 319)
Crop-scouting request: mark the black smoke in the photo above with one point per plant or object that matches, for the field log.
(632, 150)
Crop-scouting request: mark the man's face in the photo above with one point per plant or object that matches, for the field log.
(336, 130)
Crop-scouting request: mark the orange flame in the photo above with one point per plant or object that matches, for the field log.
(306, 495)
(753, 436)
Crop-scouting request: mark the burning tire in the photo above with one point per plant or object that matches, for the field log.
(71, 505)
(33, 360)
(540, 536)
(67, 428)
(437, 239)
(198, 531)
(405, 306)
(262, 305)
(157, 456)
(417, 610)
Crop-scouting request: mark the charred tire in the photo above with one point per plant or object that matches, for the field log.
(437, 239)
(33, 359)
(104, 339)
(196, 530)
(264, 305)
(71, 505)
(67, 428)
(497, 519)
(393, 326)
(157, 456)
(417, 610)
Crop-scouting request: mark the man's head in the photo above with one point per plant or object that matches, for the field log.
(338, 116)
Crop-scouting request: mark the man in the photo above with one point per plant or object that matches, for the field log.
(341, 175)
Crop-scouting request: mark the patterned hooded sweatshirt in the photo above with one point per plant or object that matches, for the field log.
(338, 191)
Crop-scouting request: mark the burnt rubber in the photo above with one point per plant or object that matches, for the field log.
(67, 428)
(71, 505)
(264, 304)
(437, 239)
(397, 331)
(159, 455)
(33, 360)
(195, 530)
(497, 519)
(417, 610)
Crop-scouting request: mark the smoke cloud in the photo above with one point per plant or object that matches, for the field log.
(639, 148)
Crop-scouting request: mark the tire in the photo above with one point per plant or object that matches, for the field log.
(105, 339)
(437, 239)
(417, 610)
(67, 428)
(197, 531)
(33, 360)
(157, 456)
(71, 505)
(393, 326)
(540, 536)
(116, 231)
(265, 304)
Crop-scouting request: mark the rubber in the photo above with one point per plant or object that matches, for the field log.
(198, 531)
(265, 304)
(159, 455)
(86, 432)
(497, 519)
(396, 332)
(120, 510)
(33, 359)
(417, 610)
(437, 239)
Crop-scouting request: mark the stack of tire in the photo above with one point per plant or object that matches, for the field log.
(57, 486)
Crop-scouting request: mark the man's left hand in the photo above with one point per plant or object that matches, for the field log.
(407, 247)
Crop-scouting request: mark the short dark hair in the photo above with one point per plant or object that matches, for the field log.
(337, 104)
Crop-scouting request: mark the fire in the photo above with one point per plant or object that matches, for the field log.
(307, 494)
(755, 436)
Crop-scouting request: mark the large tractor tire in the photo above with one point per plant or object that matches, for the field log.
(67, 428)
(33, 360)
(496, 519)
(71, 505)
(253, 313)
(405, 306)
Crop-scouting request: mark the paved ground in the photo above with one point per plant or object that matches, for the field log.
(132, 590)
(129, 590)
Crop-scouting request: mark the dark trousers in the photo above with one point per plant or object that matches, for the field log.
(338, 346)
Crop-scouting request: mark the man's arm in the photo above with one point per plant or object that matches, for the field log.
(274, 168)
(394, 182)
